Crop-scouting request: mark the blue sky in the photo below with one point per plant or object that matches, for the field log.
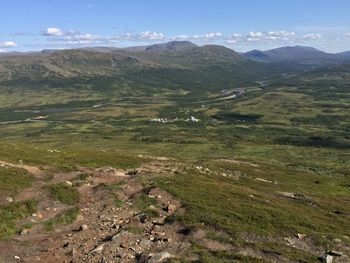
(239, 24)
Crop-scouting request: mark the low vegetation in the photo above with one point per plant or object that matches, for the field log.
(12, 180)
(11, 213)
(64, 193)
(63, 218)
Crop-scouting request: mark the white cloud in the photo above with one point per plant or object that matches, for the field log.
(181, 37)
(209, 36)
(53, 31)
(270, 36)
(279, 35)
(311, 36)
(234, 38)
(347, 34)
(83, 37)
(149, 35)
(8, 44)
(1, 50)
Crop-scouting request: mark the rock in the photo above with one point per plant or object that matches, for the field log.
(159, 257)
(17, 257)
(132, 172)
(171, 209)
(24, 231)
(167, 239)
(335, 253)
(300, 236)
(69, 183)
(98, 249)
(143, 218)
(145, 243)
(327, 259)
(9, 199)
(66, 244)
(83, 227)
(263, 180)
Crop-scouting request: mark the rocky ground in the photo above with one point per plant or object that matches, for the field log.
(114, 222)
(102, 231)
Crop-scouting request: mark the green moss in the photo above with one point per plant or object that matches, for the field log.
(64, 218)
(10, 214)
(118, 202)
(143, 201)
(12, 180)
(64, 193)
(151, 212)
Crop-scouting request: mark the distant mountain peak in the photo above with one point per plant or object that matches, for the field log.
(296, 54)
(172, 45)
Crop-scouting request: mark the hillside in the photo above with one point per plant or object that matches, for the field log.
(297, 54)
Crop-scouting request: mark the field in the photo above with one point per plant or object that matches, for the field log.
(263, 160)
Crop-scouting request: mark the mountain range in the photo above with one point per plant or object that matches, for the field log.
(299, 55)
(175, 55)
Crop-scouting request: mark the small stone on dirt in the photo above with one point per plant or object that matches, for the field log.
(145, 243)
(327, 259)
(143, 218)
(301, 236)
(159, 257)
(335, 253)
(24, 231)
(171, 209)
(98, 249)
(83, 227)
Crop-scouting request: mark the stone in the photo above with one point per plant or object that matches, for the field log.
(24, 231)
(327, 259)
(83, 227)
(301, 236)
(69, 183)
(171, 209)
(263, 180)
(17, 257)
(167, 239)
(143, 218)
(145, 243)
(9, 199)
(98, 249)
(159, 257)
(335, 253)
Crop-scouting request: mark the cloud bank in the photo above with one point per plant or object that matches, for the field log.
(7, 44)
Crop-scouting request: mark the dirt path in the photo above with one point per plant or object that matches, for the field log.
(31, 169)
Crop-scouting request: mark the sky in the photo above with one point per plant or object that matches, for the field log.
(31, 25)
